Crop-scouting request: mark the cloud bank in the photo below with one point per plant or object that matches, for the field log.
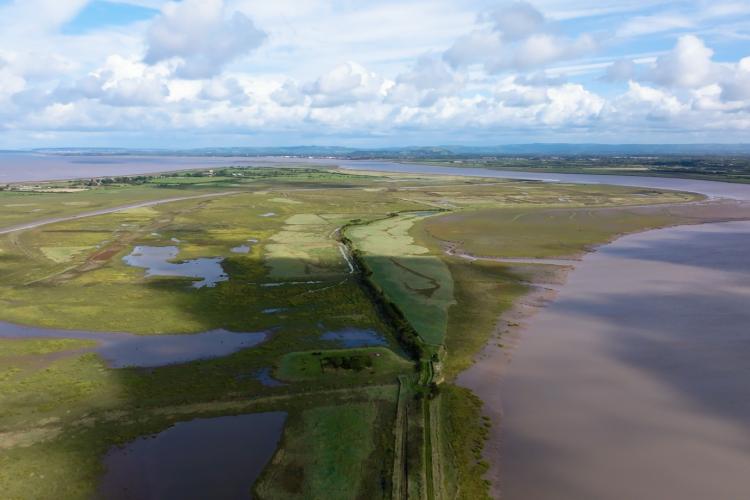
(202, 72)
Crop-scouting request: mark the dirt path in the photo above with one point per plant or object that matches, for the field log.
(104, 211)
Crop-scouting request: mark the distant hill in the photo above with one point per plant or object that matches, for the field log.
(545, 149)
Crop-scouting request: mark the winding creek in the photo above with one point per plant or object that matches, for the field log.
(634, 382)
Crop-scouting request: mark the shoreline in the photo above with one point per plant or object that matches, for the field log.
(497, 354)
(498, 350)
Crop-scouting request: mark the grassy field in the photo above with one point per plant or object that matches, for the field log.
(419, 282)
(352, 413)
(539, 232)
(332, 452)
(25, 206)
(365, 364)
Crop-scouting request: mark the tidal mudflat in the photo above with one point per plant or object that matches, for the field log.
(633, 382)
(123, 349)
(217, 457)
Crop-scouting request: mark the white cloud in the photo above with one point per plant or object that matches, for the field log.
(203, 35)
(288, 94)
(224, 89)
(736, 87)
(518, 38)
(688, 65)
(477, 47)
(646, 25)
(541, 49)
(428, 80)
(517, 20)
(451, 74)
(649, 102)
(121, 82)
(571, 104)
(345, 84)
(621, 70)
(38, 16)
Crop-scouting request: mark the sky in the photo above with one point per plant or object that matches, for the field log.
(201, 73)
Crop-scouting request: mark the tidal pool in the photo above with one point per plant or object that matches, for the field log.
(156, 262)
(355, 337)
(218, 458)
(124, 349)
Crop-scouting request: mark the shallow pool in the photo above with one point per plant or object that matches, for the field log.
(156, 262)
(219, 457)
(124, 349)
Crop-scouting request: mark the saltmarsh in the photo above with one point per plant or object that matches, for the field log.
(419, 282)
(62, 409)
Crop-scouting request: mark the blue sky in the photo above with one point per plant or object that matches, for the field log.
(157, 73)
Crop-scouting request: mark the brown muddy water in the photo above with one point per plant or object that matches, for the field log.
(634, 383)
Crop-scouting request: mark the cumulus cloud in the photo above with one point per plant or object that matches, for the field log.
(517, 20)
(571, 104)
(477, 47)
(541, 49)
(224, 89)
(202, 35)
(288, 94)
(429, 79)
(687, 65)
(736, 87)
(121, 82)
(345, 84)
(652, 103)
(496, 74)
(518, 38)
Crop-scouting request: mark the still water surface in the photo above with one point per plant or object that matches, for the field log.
(18, 167)
(634, 383)
(157, 262)
(217, 458)
(124, 349)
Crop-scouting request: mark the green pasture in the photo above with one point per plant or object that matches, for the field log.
(363, 363)
(19, 207)
(539, 232)
(419, 283)
(331, 452)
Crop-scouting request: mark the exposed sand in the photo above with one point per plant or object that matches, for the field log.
(634, 383)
